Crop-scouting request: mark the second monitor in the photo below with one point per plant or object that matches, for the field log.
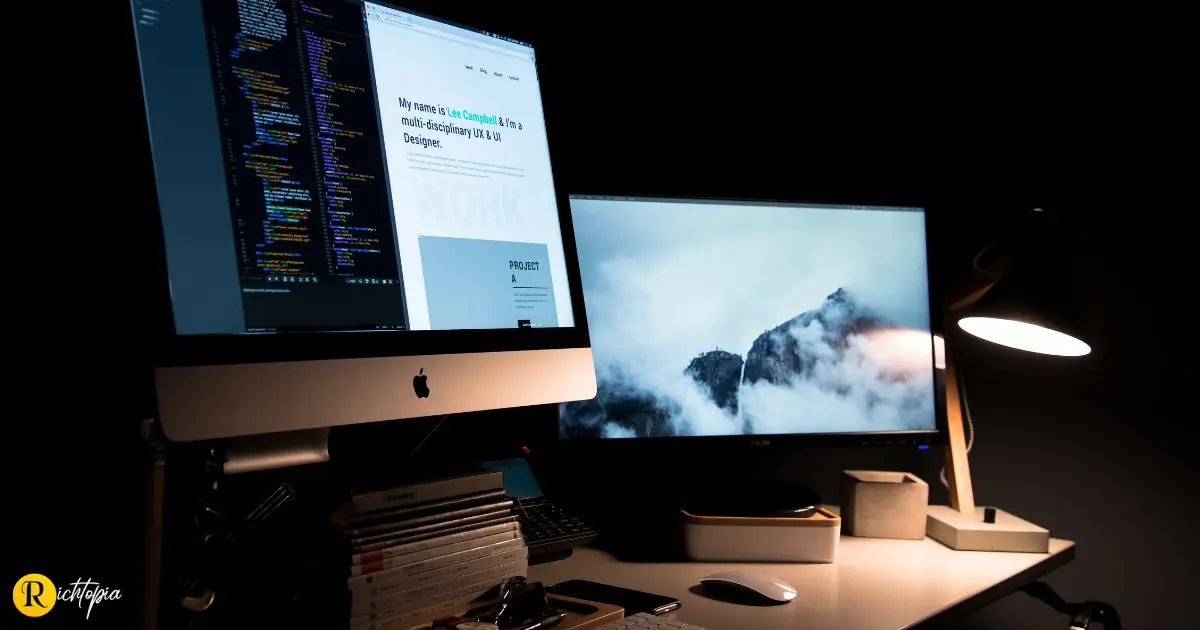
(730, 318)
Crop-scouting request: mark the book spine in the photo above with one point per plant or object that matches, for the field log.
(451, 602)
(432, 519)
(373, 587)
(428, 491)
(430, 527)
(436, 588)
(402, 539)
(417, 558)
(400, 513)
(420, 545)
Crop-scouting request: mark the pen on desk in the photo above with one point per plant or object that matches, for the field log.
(546, 622)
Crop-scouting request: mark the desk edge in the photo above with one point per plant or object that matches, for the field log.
(954, 613)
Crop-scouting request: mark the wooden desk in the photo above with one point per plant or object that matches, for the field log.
(876, 584)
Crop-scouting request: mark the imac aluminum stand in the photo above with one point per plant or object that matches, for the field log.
(276, 450)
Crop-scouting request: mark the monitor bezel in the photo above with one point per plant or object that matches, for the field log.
(170, 349)
(789, 441)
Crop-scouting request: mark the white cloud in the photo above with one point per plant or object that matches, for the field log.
(849, 391)
(612, 430)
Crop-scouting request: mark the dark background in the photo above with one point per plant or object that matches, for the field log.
(979, 116)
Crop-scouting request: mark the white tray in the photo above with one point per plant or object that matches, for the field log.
(748, 539)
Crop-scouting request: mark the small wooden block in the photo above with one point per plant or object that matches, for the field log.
(607, 613)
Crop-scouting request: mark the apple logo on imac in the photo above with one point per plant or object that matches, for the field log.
(421, 385)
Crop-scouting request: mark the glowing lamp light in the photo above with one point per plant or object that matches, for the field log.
(1030, 307)
(1024, 336)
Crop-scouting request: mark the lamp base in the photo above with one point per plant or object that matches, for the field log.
(966, 532)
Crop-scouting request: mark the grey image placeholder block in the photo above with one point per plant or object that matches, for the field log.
(472, 283)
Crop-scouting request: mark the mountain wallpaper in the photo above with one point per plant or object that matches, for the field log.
(725, 319)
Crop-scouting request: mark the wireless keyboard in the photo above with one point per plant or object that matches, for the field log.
(550, 532)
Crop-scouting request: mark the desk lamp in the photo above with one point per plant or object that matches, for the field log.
(1022, 304)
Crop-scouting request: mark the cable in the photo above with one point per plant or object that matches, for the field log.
(1009, 232)
(987, 248)
(966, 409)
(428, 435)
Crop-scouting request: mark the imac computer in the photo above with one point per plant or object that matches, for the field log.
(763, 322)
(359, 219)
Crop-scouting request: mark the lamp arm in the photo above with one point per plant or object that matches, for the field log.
(958, 469)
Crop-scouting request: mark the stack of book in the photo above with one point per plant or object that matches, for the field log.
(430, 549)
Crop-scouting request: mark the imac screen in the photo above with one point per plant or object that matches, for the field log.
(715, 318)
(348, 166)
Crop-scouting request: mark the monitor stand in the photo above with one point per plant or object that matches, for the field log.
(276, 450)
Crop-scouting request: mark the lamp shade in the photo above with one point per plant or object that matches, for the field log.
(1030, 307)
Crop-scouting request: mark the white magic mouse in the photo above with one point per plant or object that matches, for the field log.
(772, 588)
